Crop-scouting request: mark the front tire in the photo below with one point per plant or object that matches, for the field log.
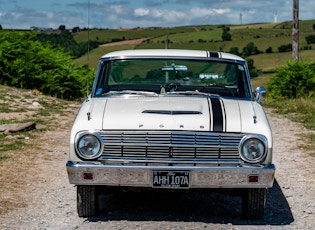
(87, 204)
(254, 202)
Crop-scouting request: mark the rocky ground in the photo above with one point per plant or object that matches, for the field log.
(35, 193)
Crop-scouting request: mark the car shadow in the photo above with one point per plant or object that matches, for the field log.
(207, 206)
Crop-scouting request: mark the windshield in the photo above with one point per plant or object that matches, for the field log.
(165, 76)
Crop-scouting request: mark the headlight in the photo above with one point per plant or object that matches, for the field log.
(89, 146)
(253, 149)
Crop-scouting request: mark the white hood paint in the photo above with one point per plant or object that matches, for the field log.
(127, 113)
(130, 113)
(245, 117)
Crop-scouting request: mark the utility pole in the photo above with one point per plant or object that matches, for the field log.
(295, 31)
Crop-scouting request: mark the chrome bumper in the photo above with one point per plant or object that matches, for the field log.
(141, 176)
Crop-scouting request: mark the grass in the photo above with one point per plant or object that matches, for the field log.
(16, 107)
(261, 80)
(262, 35)
(5, 108)
(3, 157)
(106, 35)
(301, 110)
(310, 143)
(97, 53)
(14, 142)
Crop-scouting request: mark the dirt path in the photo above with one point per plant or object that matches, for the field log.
(126, 42)
(51, 200)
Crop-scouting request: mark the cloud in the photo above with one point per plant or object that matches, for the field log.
(146, 13)
(167, 18)
(140, 12)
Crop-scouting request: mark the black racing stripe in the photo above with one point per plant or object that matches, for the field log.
(217, 115)
(214, 54)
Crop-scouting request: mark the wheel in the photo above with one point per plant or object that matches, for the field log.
(87, 204)
(254, 202)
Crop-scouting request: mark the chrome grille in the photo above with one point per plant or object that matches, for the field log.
(171, 145)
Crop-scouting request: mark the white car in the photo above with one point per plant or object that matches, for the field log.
(172, 119)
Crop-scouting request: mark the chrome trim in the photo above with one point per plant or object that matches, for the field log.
(85, 133)
(262, 138)
(171, 144)
(259, 92)
(129, 160)
(141, 176)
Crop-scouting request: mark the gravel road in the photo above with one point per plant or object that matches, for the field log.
(51, 200)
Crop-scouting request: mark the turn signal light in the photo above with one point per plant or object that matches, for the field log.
(253, 178)
(88, 176)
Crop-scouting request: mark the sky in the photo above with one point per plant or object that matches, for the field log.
(23, 14)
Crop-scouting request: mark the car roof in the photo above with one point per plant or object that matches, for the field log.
(171, 53)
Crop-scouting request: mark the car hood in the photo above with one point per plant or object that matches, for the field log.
(172, 113)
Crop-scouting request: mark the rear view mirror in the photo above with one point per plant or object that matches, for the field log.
(174, 67)
(259, 92)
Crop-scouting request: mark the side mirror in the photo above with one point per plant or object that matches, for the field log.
(259, 92)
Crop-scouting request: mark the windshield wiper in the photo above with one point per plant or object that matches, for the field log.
(189, 93)
(215, 85)
(134, 92)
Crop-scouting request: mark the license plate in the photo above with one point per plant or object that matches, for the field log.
(170, 179)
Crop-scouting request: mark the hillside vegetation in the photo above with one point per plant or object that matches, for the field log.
(28, 63)
(266, 37)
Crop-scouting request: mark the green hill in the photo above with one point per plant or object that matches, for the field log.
(265, 36)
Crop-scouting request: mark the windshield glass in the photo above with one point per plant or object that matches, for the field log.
(162, 76)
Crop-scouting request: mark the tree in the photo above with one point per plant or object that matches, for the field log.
(226, 36)
(252, 70)
(75, 29)
(1, 27)
(62, 27)
(269, 50)
(66, 40)
(285, 48)
(250, 49)
(234, 50)
(310, 39)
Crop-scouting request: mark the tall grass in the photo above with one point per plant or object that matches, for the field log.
(301, 110)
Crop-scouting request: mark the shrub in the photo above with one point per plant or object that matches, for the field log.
(66, 41)
(252, 70)
(296, 79)
(285, 48)
(310, 39)
(269, 50)
(226, 36)
(26, 63)
(250, 49)
(200, 40)
(234, 50)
